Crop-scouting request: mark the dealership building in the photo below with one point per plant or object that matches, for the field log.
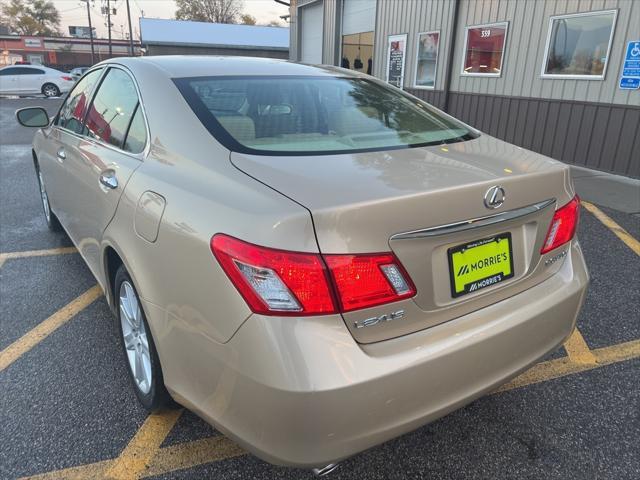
(558, 77)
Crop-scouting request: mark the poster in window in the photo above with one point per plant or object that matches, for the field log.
(484, 50)
(427, 60)
(396, 52)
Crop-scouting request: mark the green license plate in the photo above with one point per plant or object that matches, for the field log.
(480, 264)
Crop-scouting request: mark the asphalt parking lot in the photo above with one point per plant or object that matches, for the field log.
(67, 409)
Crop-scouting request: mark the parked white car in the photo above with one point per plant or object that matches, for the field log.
(34, 80)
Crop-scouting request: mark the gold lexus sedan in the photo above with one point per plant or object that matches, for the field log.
(311, 260)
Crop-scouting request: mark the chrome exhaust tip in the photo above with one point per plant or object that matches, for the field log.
(326, 470)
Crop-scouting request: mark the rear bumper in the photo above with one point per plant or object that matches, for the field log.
(302, 392)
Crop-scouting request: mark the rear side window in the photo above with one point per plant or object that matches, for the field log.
(73, 110)
(113, 108)
(137, 135)
(28, 71)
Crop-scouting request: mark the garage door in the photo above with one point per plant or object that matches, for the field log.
(358, 16)
(311, 33)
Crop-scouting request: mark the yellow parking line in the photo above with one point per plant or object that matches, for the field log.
(44, 329)
(608, 222)
(578, 350)
(561, 367)
(137, 455)
(192, 454)
(214, 449)
(36, 253)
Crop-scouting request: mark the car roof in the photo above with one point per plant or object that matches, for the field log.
(177, 66)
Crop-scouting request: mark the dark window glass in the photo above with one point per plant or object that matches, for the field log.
(484, 49)
(311, 115)
(74, 108)
(22, 71)
(112, 109)
(28, 71)
(137, 135)
(579, 45)
(9, 71)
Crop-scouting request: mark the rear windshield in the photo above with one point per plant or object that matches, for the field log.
(314, 115)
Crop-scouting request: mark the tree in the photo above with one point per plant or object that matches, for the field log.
(274, 23)
(217, 11)
(31, 17)
(247, 19)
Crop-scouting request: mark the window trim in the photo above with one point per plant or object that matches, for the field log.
(561, 76)
(415, 73)
(504, 49)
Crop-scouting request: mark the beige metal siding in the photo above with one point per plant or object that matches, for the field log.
(397, 17)
(330, 24)
(524, 53)
(293, 30)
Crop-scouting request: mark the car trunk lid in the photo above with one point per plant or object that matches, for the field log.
(401, 200)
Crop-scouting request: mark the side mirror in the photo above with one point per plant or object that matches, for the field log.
(32, 117)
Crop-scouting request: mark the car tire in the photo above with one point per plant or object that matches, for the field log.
(139, 349)
(50, 90)
(52, 221)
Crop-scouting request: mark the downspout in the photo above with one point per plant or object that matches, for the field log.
(452, 46)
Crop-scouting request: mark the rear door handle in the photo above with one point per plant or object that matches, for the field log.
(108, 179)
(62, 156)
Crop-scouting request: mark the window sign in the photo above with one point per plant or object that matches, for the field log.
(578, 45)
(427, 59)
(484, 49)
(630, 78)
(396, 52)
(32, 43)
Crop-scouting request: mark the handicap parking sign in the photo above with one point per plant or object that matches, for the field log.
(630, 78)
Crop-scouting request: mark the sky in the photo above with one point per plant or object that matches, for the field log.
(74, 12)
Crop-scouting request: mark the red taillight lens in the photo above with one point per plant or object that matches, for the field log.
(368, 280)
(68, 79)
(563, 226)
(275, 282)
(278, 282)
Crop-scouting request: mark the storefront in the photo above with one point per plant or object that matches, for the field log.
(552, 76)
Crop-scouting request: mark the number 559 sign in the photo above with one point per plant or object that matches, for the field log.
(630, 78)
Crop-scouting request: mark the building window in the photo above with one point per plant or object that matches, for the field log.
(427, 59)
(357, 52)
(578, 45)
(484, 49)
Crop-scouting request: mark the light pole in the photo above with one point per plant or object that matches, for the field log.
(90, 32)
(109, 28)
(130, 31)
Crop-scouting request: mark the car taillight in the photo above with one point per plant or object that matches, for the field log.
(278, 282)
(368, 280)
(275, 281)
(68, 79)
(563, 226)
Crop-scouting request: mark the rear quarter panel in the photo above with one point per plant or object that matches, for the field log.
(188, 295)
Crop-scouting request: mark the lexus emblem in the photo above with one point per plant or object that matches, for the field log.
(494, 198)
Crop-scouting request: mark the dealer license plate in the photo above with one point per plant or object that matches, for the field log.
(480, 264)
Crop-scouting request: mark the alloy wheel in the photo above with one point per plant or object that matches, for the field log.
(135, 337)
(50, 91)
